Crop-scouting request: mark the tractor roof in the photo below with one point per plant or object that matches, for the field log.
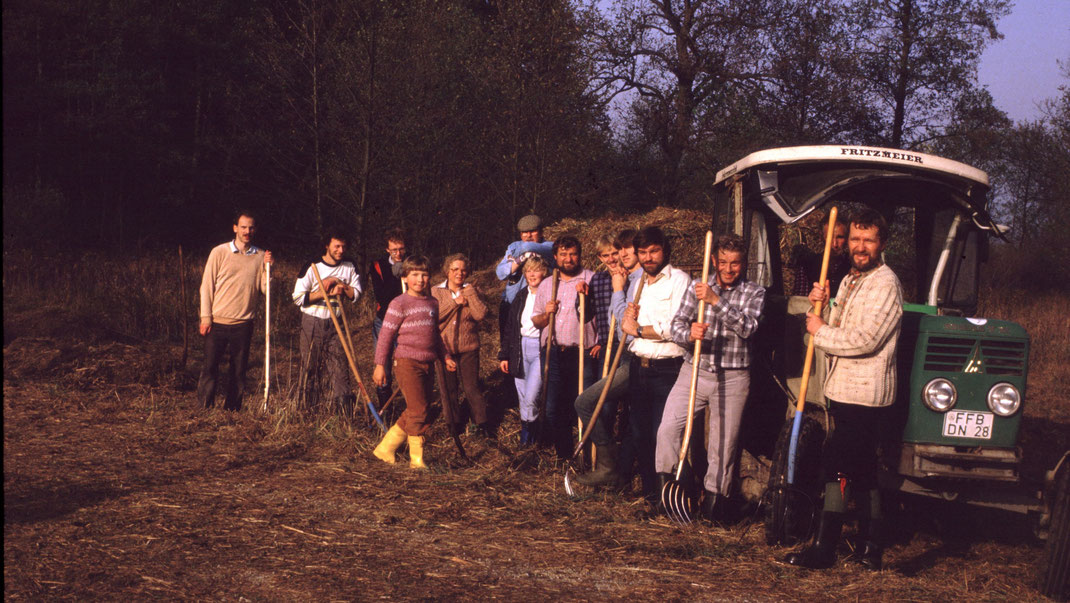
(793, 181)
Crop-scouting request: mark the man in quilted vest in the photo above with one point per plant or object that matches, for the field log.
(859, 341)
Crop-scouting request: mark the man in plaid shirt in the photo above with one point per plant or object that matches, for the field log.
(733, 307)
(602, 294)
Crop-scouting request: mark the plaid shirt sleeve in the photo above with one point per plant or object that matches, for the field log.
(681, 322)
(602, 292)
(800, 284)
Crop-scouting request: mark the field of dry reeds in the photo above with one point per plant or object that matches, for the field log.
(118, 486)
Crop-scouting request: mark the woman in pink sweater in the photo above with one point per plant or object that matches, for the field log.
(412, 321)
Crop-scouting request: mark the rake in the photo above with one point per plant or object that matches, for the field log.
(674, 495)
(345, 347)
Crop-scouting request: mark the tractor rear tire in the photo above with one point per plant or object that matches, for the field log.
(1056, 565)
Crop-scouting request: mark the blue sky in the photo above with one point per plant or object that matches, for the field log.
(1021, 70)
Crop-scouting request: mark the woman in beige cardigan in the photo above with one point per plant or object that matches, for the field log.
(460, 310)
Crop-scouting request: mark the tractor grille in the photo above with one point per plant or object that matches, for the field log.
(948, 354)
(1003, 357)
(991, 356)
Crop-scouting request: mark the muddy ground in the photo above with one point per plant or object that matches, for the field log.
(117, 486)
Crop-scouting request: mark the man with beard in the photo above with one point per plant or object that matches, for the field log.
(859, 340)
(655, 359)
(605, 471)
(808, 263)
(341, 281)
(233, 274)
(386, 284)
(733, 307)
(563, 376)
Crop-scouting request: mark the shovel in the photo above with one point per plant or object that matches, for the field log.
(808, 362)
(570, 466)
(674, 496)
(345, 348)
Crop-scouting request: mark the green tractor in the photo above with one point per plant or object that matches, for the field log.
(961, 379)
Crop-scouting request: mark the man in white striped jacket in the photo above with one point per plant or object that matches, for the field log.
(318, 336)
(859, 340)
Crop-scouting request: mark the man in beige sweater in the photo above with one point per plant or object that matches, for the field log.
(233, 274)
(859, 341)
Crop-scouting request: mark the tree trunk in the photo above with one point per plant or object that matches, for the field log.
(906, 20)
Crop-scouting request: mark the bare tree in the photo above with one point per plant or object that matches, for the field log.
(916, 58)
(680, 56)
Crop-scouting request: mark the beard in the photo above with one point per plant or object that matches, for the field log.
(653, 269)
(572, 271)
(863, 264)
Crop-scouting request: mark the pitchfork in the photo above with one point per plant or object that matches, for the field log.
(674, 496)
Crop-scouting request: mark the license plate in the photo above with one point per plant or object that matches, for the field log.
(966, 424)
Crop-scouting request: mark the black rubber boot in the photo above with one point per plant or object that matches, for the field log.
(484, 432)
(659, 487)
(870, 554)
(712, 505)
(604, 473)
(821, 554)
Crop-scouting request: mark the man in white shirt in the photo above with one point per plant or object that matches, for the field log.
(342, 283)
(655, 359)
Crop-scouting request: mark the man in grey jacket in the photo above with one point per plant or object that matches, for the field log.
(859, 341)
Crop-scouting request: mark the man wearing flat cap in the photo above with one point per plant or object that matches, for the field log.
(510, 269)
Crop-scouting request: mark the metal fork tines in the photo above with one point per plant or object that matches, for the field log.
(677, 503)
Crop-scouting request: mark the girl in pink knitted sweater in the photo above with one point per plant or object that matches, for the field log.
(412, 321)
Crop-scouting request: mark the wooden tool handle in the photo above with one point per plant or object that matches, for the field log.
(808, 362)
(695, 360)
(608, 383)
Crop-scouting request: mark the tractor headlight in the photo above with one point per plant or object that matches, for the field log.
(940, 395)
(1004, 399)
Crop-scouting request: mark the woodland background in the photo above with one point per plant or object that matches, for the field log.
(132, 126)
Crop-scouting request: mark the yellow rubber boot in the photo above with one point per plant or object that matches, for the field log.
(393, 438)
(416, 452)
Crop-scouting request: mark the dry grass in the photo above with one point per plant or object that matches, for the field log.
(117, 486)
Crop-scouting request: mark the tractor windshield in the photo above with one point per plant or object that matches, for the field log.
(935, 207)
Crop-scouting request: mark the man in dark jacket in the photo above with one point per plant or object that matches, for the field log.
(386, 283)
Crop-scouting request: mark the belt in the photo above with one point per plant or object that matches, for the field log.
(565, 348)
(659, 362)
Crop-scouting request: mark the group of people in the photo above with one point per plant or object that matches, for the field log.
(560, 324)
